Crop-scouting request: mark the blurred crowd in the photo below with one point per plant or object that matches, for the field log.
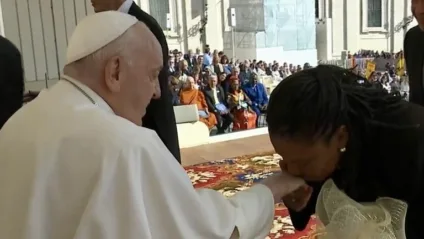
(228, 92)
(392, 76)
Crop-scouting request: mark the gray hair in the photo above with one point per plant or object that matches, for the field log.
(212, 76)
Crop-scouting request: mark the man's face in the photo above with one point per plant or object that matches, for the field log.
(213, 81)
(190, 84)
(171, 62)
(417, 8)
(254, 79)
(133, 80)
(236, 72)
(106, 5)
(235, 85)
(222, 77)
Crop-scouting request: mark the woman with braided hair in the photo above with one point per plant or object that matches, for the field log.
(329, 123)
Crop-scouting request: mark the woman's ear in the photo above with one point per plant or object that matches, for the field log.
(342, 137)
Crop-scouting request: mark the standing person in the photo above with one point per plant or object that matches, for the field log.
(11, 80)
(160, 113)
(83, 168)
(414, 54)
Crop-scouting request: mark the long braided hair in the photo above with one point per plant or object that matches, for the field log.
(312, 104)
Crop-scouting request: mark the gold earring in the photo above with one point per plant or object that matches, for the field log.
(342, 150)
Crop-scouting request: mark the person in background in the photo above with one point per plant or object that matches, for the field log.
(404, 87)
(260, 69)
(414, 52)
(199, 62)
(285, 71)
(216, 100)
(307, 66)
(160, 115)
(221, 78)
(226, 85)
(239, 105)
(395, 85)
(11, 80)
(245, 74)
(198, 77)
(190, 58)
(189, 95)
(184, 68)
(225, 63)
(329, 123)
(216, 66)
(171, 65)
(207, 58)
(175, 87)
(258, 96)
(298, 68)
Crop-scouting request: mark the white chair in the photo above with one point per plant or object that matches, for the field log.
(191, 132)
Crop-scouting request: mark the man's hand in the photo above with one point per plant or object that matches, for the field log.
(282, 184)
(298, 199)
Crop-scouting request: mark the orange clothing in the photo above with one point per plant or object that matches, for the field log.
(196, 97)
(244, 118)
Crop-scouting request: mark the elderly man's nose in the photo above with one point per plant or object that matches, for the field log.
(157, 92)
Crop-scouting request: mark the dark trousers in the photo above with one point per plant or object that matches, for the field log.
(224, 121)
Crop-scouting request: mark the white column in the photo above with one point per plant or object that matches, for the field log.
(144, 4)
(1, 20)
(327, 8)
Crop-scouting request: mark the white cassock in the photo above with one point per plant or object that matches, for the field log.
(72, 169)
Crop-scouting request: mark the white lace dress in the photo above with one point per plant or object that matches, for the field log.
(343, 218)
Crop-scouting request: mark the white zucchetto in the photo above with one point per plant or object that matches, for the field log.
(95, 32)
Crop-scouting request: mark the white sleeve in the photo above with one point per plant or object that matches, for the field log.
(147, 194)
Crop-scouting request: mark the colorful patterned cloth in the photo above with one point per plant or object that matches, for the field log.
(229, 176)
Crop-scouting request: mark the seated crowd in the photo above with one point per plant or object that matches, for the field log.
(229, 96)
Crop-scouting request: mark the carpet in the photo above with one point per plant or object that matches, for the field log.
(229, 176)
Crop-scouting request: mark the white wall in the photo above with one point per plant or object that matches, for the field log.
(30, 26)
(348, 32)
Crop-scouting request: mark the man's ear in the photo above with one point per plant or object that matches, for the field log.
(112, 73)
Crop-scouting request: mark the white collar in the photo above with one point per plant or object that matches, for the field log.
(125, 7)
(99, 101)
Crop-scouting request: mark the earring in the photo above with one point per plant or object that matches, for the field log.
(342, 150)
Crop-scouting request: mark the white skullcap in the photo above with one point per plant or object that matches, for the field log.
(96, 31)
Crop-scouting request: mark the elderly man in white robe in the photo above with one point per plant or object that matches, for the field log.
(75, 163)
